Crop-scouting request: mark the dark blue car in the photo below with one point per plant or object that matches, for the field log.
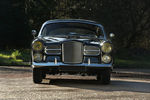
(72, 46)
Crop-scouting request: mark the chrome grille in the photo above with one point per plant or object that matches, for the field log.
(72, 52)
(91, 50)
(53, 49)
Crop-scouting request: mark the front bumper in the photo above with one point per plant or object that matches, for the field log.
(59, 64)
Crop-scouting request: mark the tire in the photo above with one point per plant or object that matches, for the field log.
(104, 77)
(37, 75)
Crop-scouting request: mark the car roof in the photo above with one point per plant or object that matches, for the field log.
(72, 20)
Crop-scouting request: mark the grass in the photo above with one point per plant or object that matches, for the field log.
(131, 59)
(123, 63)
(123, 58)
(15, 57)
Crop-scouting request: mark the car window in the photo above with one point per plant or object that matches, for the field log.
(70, 28)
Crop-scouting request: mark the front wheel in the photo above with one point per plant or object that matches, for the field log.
(37, 75)
(104, 77)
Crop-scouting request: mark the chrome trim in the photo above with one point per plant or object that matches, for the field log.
(55, 60)
(85, 50)
(49, 64)
(54, 49)
(92, 50)
(89, 61)
(46, 51)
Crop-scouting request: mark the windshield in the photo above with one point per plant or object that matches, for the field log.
(66, 29)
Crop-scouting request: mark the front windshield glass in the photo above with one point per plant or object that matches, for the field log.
(66, 29)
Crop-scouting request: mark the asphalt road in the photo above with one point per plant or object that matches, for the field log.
(16, 84)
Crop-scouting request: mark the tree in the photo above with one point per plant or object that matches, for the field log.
(129, 19)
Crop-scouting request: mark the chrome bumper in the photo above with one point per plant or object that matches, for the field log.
(59, 64)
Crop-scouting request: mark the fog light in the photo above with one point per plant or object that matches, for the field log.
(38, 57)
(106, 58)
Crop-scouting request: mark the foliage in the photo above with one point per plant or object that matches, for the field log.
(128, 19)
(15, 54)
(15, 57)
(124, 58)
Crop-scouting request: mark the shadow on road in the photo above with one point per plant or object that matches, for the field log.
(15, 69)
(116, 85)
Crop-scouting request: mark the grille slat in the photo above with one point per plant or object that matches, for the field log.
(91, 50)
(53, 49)
(72, 52)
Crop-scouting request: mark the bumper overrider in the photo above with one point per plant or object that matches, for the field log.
(59, 64)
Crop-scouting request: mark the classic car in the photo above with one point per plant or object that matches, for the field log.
(72, 46)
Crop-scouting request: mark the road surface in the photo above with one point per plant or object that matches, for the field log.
(16, 84)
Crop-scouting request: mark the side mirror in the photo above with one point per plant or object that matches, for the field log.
(34, 33)
(111, 35)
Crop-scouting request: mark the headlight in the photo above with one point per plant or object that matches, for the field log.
(106, 58)
(106, 48)
(37, 46)
(38, 57)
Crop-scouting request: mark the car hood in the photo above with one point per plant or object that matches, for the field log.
(62, 39)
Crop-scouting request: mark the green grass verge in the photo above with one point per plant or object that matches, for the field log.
(14, 57)
(130, 59)
(130, 63)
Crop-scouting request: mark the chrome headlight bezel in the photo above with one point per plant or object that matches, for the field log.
(106, 47)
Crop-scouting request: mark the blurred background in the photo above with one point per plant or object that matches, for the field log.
(128, 19)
